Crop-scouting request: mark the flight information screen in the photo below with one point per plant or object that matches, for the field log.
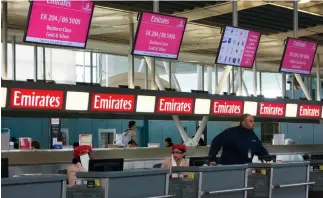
(159, 35)
(238, 47)
(61, 23)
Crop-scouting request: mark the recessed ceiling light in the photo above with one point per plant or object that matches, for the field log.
(304, 1)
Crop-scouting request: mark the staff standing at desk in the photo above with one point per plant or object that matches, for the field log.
(239, 144)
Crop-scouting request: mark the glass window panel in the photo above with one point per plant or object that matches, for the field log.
(24, 62)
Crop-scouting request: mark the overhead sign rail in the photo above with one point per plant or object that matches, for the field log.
(32, 99)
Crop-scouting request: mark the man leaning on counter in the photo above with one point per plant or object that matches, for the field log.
(239, 144)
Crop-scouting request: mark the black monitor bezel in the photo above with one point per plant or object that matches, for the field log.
(50, 44)
(284, 53)
(220, 45)
(138, 28)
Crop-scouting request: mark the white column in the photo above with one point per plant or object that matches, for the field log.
(254, 78)
(209, 79)
(131, 59)
(223, 79)
(318, 81)
(200, 77)
(4, 37)
(216, 77)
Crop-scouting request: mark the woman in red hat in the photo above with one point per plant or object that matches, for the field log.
(177, 158)
(77, 166)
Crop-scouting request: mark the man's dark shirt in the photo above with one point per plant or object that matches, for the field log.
(236, 142)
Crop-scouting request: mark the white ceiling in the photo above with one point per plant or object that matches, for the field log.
(109, 32)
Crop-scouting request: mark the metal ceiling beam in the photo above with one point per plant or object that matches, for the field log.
(217, 9)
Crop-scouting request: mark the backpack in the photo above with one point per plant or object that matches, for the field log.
(126, 137)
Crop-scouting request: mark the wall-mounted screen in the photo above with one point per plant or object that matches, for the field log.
(159, 35)
(61, 23)
(298, 56)
(238, 47)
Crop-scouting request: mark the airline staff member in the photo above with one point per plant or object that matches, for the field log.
(239, 144)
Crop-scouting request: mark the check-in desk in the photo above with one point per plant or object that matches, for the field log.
(36, 186)
(129, 184)
(280, 180)
(316, 175)
(210, 181)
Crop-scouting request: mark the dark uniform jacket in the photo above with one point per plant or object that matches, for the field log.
(236, 143)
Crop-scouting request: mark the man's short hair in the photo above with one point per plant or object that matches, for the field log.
(243, 117)
(131, 124)
(132, 142)
(76, 144)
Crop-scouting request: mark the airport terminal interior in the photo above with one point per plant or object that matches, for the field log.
(126, 80)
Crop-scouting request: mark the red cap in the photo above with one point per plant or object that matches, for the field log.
(180, 147)
(82, 150)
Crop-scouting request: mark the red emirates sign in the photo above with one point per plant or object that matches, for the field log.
(113, 102)
(309, 111)
(271, 109)
(36, 99)
(227, 107)
(175, 105)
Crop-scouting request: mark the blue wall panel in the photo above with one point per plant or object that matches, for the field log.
(153, 131)
(37, 129)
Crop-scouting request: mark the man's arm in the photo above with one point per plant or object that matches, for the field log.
(261, 151)
(216, 145)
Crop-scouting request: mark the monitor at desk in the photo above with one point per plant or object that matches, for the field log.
(199, 161)
(4, 167)
(106, 165)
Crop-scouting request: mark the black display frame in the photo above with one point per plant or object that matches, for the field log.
(138, 28)
(284, 53)
(220, 45)
(50, 44)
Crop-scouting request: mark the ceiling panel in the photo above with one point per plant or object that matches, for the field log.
(167, 7)
(269, 19)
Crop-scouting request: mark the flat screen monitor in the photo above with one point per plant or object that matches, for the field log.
(4, 167)
(106, 165)
(238, 47)
(62, 23)
(159, 35)
(298, 56)
(199, 161)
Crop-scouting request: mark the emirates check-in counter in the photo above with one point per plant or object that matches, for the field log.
(77, 101)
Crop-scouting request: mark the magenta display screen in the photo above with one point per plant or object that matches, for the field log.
(62, 23)
(159, 35)
(298, 56)
(238, 47)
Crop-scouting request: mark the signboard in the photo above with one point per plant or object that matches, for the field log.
(36, 99)
(63, 23)
(174, 105)
(309, 111)
(238, 47)
(113, 102)
(159, 35)
(298, 56)
(271, 109)
(227, 107)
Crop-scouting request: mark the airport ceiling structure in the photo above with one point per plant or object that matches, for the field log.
(109, 31)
